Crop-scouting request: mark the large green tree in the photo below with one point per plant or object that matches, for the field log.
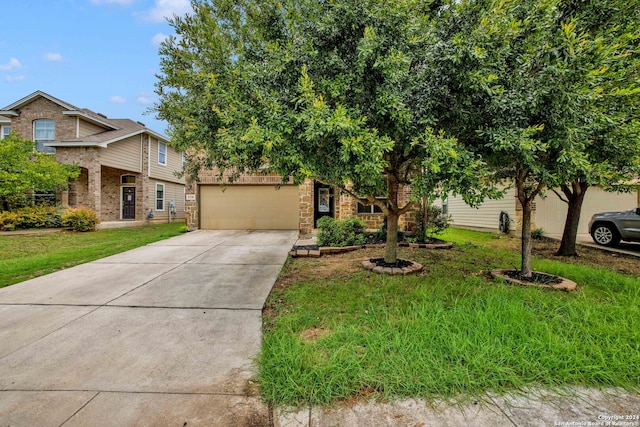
(23, 170)
(325, 90)
(606, 56)
(538, 84)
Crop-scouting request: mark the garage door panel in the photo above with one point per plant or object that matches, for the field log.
(243, 207)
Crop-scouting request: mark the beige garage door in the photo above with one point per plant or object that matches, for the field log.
(249, 207)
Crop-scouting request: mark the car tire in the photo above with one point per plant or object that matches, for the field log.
(605, 235)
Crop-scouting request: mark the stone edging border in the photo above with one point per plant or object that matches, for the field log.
(566, 284)
(413, 268)
(301, 253)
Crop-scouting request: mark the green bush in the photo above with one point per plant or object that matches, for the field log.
(80, 219)
(346, 232)
(537, 234)
(436, 222)
(31, 217)
(8, 220)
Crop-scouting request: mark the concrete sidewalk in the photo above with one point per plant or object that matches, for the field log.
(162, 335)
(537, 408)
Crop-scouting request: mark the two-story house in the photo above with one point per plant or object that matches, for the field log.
(128, 172)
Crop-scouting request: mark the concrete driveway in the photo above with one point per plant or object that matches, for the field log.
(162, 335)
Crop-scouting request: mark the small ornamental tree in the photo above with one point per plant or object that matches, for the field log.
(23, 170)
(325, 90)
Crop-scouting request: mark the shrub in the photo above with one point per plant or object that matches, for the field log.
(8, 220)
(537, 234)
(436, 222)
(80, 219)
(346, 232)
(31, 217)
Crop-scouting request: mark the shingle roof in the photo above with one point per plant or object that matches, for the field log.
(114, 129)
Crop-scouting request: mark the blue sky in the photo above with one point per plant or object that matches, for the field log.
(95, 54)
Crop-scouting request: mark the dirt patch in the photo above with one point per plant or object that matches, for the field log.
(312, 335)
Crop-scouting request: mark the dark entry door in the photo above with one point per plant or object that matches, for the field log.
(128, 203)
(323, 204)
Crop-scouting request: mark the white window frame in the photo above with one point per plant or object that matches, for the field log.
(162, 151)
(3, 129)
(164, 196)
(41, 141)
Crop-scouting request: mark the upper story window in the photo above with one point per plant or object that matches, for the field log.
(6, 130)
(162, 153)
(44, 130)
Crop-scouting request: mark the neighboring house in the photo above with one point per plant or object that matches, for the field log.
(128, 172)
(549, 212)
(255, 202)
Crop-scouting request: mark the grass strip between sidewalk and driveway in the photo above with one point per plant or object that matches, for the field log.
(333, 331)
(24, 257)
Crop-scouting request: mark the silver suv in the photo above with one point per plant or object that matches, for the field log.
(608, 228)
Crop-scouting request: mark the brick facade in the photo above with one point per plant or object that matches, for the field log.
(115, 147)
(42, 108)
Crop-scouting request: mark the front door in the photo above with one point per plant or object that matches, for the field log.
(128, 202)
(323, 202)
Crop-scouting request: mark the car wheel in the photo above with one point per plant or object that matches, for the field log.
(605, 235)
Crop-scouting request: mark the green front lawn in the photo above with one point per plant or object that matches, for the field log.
(24, 257)
(334, 331)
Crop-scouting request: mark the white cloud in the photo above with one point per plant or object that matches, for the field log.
(158, 38)
(144, 99)
(118, 99)
(13, 64)
(163, 9)
(52, 57)
(118, 2)
(12, 79)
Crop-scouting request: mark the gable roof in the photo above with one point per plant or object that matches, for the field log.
(115, 129)
(126, 129)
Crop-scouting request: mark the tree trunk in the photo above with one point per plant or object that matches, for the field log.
(525, 269)
(570, 232)
(391, 247)
(425, 218)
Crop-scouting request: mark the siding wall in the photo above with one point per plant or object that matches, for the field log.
(125, 154)
(551, 211)
(162, 172)
(486, 216)
(86, 128)
(172, 191)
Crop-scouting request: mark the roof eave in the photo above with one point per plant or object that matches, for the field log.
(19, 103)
(75, 144)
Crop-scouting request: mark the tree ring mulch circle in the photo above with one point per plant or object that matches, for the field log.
(401, 266)
(540, 280)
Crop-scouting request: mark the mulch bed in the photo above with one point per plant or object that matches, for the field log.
(538, 279)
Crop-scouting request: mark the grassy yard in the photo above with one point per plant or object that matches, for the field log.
(333, 331)
(23, 257)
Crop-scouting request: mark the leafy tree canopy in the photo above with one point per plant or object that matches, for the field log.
(327, 90)
(23, 169)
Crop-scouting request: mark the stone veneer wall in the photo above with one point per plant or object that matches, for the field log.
(348, 207)
(345, 206)
(306, 206)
